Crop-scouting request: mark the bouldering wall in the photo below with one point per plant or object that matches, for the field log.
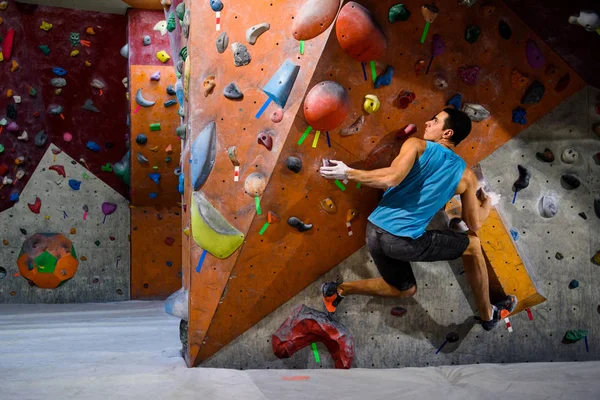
(228, 296)
(155, 153)
(64, 197)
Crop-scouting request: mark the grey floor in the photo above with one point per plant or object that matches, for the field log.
(444, 301)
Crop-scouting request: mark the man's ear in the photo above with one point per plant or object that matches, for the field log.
(448, 133)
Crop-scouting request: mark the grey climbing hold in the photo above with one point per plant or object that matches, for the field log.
(534, 93)
(298, 224)
(548, 207)
(241, 56)
(41, 138)
(476, 112)
(171, 90)
(181, 111)
(222, 42)
(141, 139)
(170, 103)
(141, 158)
(255, 31)
(294, 164)
(570, 182)
(147, 40)
(54, 109)
(98, 84)
(185, 25)
(204, 152)
(141, 101)
(216, 5)
(155, 76)
(58, 82)
(125, 51)
(232, 92)
(89, 106)
(181, 131)
(180, 10)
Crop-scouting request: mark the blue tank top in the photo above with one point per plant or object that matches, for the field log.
(407, 209)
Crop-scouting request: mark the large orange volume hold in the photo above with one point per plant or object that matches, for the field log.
(326, 106)
(359, 34)
(314, 17)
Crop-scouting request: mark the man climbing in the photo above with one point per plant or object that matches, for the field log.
(419, 182)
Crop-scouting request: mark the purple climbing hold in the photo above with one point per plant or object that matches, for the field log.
(535, 58)
(469, 75)
(519, 116)
(155, 76)
(437, 45)
(12, 126)
(108, 208)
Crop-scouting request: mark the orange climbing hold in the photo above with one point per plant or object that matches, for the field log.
(272, 217)
(90, 31)
(359, 34)
(518, 80)
(73, 231)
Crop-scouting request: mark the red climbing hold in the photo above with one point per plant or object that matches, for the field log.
(306, 326)
(326, 106)
(169, 241)
(3, 169)
(314, 17)
(359, 34)
(7, 44)
(35, 207)
(59, 169)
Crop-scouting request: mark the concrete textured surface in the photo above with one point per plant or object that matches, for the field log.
(444, 302)
(103, 272)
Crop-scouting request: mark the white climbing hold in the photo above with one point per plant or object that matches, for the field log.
(125, 51)
(570, 155)
(161, 26)
(98, 84)
(255, 31)
(125, 82)
(17, 99)
(548, 206)
(23, 136)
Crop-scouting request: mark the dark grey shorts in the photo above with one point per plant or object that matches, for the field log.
(392, 254)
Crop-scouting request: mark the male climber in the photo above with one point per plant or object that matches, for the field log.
(419, 182)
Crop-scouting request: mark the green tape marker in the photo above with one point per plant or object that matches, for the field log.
(358, 185)
(373, 71)
(257, 201)
(155, 126)
(302, 47)
(340, 185)
(316, 353)
(425, 32)
(264, 228)
(304, 135)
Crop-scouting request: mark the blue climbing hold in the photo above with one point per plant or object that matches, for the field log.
(155, 177)
(180, 185)
(153, 195)
(141, 139)
(519, 116)
(574, 284)
(514, 234)
(74, 184)
(281, 83)
(14, 197)
(170, 103)
(385, 79)
(455, 101)
(93, 146)
(216, 5)
(59, 71)
(204, 152)
(169, 264)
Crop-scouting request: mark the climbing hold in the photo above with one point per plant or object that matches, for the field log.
(570, 182)
(569, 155)
(255, 184)
(233, 92)
(241, 56)
(183, 53)
(6, 181)
(170, 103)
(548, 207)
(313, 18)
(59, 72)
(469, 75)
(563, 83)
(59, 169)
(147, 41)
(351, 214)
(75, 39)
(74, 53)
(155, 177)
(358, 33)
(11, 111)
(23, 136)
(281, 83)
(181, 131)
(399, 311)
(371, 103)
(12, 127)
(155, 76)
(546, 156)
(9, 93)
(125, 51)
(89, 64)
(3, 5)
(222, 42)
(211, 231)
(98, 84)
(90, 31)
(216, 5)
(455, 101)
(74, 184)
(534, 93)
(398, 12)
(155, 126)
(255, 31)
(326, 105)
(89, 106)
(328, 205)
(535, 58)
(596, 156)
(294, 164)
(472, 33)
(41, 138)
(7, 44)
(518, 80)
(58, 82)
(586, 18)
(32, 92)
(405, 98)
(14, 65)
(163, 56)
(180, 11)
(45, 49)
(67, 137)
(354, 128)
(154, 149)
(36, 206)
(574, 284)
(523, 181)
(265, 139)
(209, 85)
(385, 79)
(20, 174)
(54, 109)
(272, 217)
(504, 30)
(171, 22)
(232, 156)
(430, 12)
(106, 168)
(171, 90)
(596, 258)
(440, 83)
(514, 234)
(141, 101)
(476, 112)
(168, 159)
(161, 26)
(185, 24)
(597, 206)
(519, 115)
(203, 154)
(582, 215)
(298, 224)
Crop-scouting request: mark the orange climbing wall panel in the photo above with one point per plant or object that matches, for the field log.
(154, 220)
(229, 296)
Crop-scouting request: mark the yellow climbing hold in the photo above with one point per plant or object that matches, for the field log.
(73, 231)
(14, 66)
(74, 53)
(9, 93)
(90, 31)
(127, 95)
(87, 63)
(83, 258)
(1, 20)
(163, 56)
(187, 231)
(155, 167)
(371, 103)
(3, 5)
(1, 56)
(58, 91)
(154, 149)
(47, 217)
(46, 26)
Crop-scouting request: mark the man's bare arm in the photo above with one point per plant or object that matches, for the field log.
(474, 210)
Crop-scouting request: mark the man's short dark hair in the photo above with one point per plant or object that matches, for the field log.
(459, 122)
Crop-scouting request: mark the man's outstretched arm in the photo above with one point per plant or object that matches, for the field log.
(476, 205)
(383, 178)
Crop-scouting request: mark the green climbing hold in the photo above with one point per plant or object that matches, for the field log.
(180, 10)
(183, 53)
(45, 49)
(97, 243)
(574, 335)
(1, 148)
(107, 168)
(32, 91)
(168, 159)
(472, 33)
(155, 126)
(171, 24)
(398, 13)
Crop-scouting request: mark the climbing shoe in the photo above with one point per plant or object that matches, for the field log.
(499, 311)
(331, 297)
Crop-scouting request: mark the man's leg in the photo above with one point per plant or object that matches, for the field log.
(477, 276)
(374, 287)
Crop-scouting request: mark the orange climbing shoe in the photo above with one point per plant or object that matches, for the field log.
(331, 297)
